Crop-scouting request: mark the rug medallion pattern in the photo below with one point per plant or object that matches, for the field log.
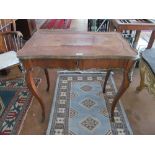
(80, 108)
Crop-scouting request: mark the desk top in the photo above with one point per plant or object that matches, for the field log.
(76, 45)
(134, 24)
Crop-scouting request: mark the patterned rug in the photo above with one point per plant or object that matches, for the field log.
(80, 108)
(15, 100)
(56, 24)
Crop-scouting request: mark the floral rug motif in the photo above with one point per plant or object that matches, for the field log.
(80, 108)
(15, 100)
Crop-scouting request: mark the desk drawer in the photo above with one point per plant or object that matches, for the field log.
(52, 63)
(64, 63)
(102, 63)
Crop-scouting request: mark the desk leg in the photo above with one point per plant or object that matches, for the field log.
(33, 89)
(125, 84)
(111, 26)
(151, 41)
(106, 79)
(136, 38)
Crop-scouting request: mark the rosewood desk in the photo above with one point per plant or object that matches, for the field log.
(134, 24)
(77, 50)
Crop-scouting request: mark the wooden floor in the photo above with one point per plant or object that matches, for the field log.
(140, 108)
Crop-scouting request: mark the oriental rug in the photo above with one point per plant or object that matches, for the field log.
(80, 108)
(56, 24)
(15, 100)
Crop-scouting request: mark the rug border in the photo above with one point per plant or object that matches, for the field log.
(24, 117)
(72, 72)
(30, 104)
(122, 108)
(52, 107)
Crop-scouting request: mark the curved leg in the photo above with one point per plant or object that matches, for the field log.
(47, 78)
(125, 84)
(106, 79)
(142, 78)
(33, 89)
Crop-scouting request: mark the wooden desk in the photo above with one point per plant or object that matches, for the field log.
(133, 24)
(82, 50)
